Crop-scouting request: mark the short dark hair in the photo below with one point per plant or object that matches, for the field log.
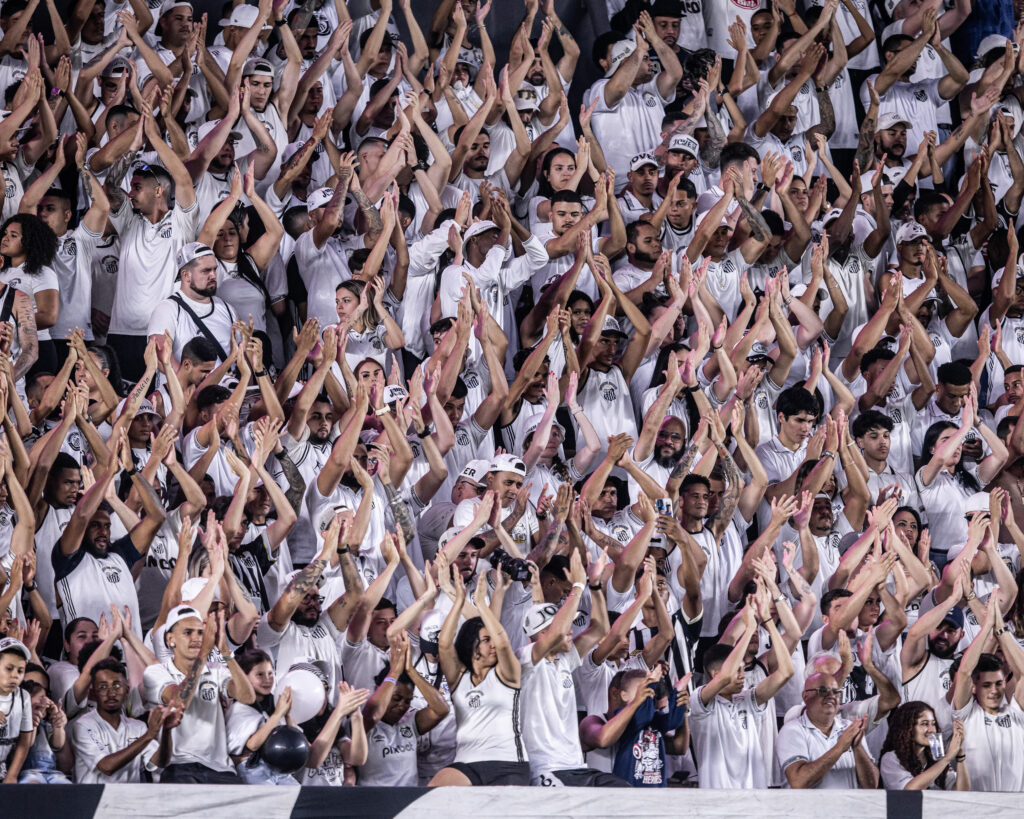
(796, 400)
(63, 461)
(834, 594)
(211, 396)
(926, 199)
(602, 43)
(715, 657)
(954, 373)
(109, 664)
(200, 349)
(694, 480)
(736, 153)
(566, 195)
(987, 663)
(867, 421)
(874, 355)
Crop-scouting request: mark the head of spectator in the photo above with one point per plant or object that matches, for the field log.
(535, 389)
(745, 159)
(682, 155)
(471, 482)
(475, 648)
(760, 25)
(106, 361)
(822, 696)
(623, 688)
(581, 310)
(911, 245)
(891, 136)
(796, 412)
(380, 621)
(505, 477)
(259, 73)
(538, 623)
(11, 14)
(150, 191)
(95, 24)
(235, 25)
(831, 602)
(174, 23)
(54, 209)
(381, 64)
(401, 695)
(198, 359)
(867, 193)
(952, 387)
(184, 634)
(892, 46)
(907, 521)
(556, 171)
(13, 659)
(874, 361)
(63, 482)
(466, 561)
(197, 267)
(554, 579)
(694, 500)
(479, 238)
(642, 178)
(670, 442)
(776, 236)
(109, 687)
(26, 241)
(305, 35)
(714, 659)
(78, 633)
(667, 17)
(369, 372)
(643, 244)
(989, 683)
(566, 211)
(209, 400)
(259, 668)
(872, 430)
(611, 50)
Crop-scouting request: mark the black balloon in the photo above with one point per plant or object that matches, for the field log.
(286, 749)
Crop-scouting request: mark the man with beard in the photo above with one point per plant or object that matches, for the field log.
(299, 628)
(110, 747)
(911, 252)
(195, 310)
(91, 573)
(643, 250)
(891, 144)
(152, 231)
(928, 652)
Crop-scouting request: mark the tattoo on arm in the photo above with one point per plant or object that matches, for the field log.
(758, 226)
(350, 573)
(188, 685)
(827, 114)
(733, 485)
(401, 512)
(28, 338)
(369, 211)
(866, 141)
(685, 463)
(86, 178)
(306, 579)
(296, 485)
(711, 152)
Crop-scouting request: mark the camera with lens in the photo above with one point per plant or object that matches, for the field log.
(514, 567)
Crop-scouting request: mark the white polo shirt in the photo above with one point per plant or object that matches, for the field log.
(202, 735)
(93, 738)
(994, 746)
(550, 728)
(800, 741)
(727, 741)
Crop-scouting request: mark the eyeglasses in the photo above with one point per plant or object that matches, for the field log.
(823, 692)
(102, 688)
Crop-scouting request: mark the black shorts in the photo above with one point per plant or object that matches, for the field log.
(494, 773)
(590, 778)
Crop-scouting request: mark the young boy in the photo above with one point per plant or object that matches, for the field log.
(16, 706)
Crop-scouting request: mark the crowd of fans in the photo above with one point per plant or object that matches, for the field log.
(373, 417)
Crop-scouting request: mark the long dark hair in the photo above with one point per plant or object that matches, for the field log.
(247, 662)
(543, 186)
(37, 240)
(467, 640)
(900, 740)
(965, 478)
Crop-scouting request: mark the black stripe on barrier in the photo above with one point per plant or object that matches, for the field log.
(45, 801)
(356, 802)
(903, 804)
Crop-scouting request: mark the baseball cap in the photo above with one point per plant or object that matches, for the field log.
(534, 421)
(891, 119)
(475, 471)
(525, 103)
(685, 143)
(170, 5)
(621, 50)
(831, 216)
(612, 327)
(508, 463)
(758, 351)
(191, 252)
(1012, 108)
(910, 231)
(955, 616)
(867, 182)
(145, 408)
(978, 502)
(319, 198)
(290, 150)
(990, 43)
(538, 617)
(179, 613)
(723, 223)
(244, 17)
(10, 644)
(204, 129)
(191, 588)
(394, 392)
(257, 67)
(638, 161)
(115, 68)
(477, 228)
(430, 627)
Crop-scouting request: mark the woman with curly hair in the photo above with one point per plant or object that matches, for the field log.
(907, 762)
(28, 246)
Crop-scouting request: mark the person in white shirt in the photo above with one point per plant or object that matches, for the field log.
(195, 310)
(549, 696)
(907, 761)
(110, 747)
(16, 706)
(820, 748)
(393, 728)
(200, 752)
(726, 719)
(993, 721)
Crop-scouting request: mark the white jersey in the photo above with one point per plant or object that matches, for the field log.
(550, 727)
(93, 738)
(17, 709)
(606, 400)
(994, 746)
(727, 741)
(89, 585)
(391, 754)
(73, 266)
(930, 685)
(487, 719)
(303, 644)
(54, 523)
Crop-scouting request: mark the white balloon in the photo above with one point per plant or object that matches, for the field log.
(308, 695)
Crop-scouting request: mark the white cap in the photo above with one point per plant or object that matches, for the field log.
(723, 223)
(179, 613)
(145, 408)
(204, 129)
(831, 216)
(638, 161)
(475, 471)
(890, 119)
(430, 625)
(394, 392)
(534, 421)
(621, 50)
(477, 228)
(978, 502)
(526, 103)
(192, 251)
(685, 143)
(990, 43)
(243, 17)
(1012, 108)
(538, 617)
(910, 231)
(319, 198)
(290, 150)
(10, 644)
(192, 587)
(612, 327)
(170, 5)
(508, 463)
(115, 68)
(257, 67)
(867, 186)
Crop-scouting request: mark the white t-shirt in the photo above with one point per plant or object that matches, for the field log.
(550, 728)
(630, 127)
(303, 644)
(726, 739)
(391, 754)
(169, 315)
(32, 283)
(994, 745)
(93, 738)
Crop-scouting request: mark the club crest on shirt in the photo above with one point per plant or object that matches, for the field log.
(405, 731)
(70, 247)
(748, 5)
(475, 699)
(920, 95)
(323, 27)
(112, 574)
(608, 391)
(649, 100)
(109, 265)
(165, 232)
(471, 380)
(207, 691)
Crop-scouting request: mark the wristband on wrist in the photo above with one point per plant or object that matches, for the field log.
(595, 587)
(1000, 631)
(342, 550)
(382, 411)
(29, 588)
(579, 585)
(390, 679)
(260, 374)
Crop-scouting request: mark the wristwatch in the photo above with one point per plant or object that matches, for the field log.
(828, 453)
(760, 187)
